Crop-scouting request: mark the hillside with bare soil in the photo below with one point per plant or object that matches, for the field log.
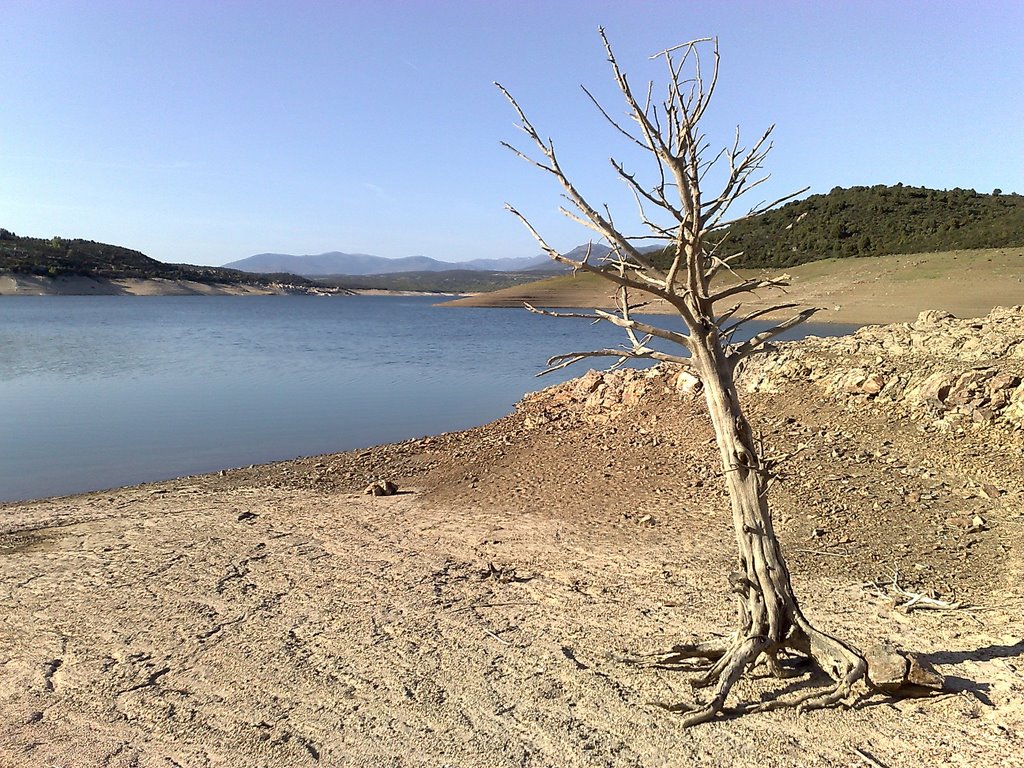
(876, 289)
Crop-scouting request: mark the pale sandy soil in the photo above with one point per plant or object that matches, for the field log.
(276, 616)
(881, 289)
(66, 285)
(34, 285)
(381, 292)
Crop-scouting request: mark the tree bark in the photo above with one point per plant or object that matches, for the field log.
(769, 617)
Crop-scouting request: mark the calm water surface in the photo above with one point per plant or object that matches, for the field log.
(102, 391)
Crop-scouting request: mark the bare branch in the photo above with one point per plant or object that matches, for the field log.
(728, 313)
(749, 286)
(652, 330)
(570, 358)
(718, 264)
(527, 158)
(594, 220)
(548, 313)
(755, 211)
(611, 120)
(657, 199)
(609, 274)
(739, 172)
(747, 348)
(688, 45)
(728, 332)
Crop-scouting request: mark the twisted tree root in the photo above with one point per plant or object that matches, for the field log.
(710, 650)
(732, 659)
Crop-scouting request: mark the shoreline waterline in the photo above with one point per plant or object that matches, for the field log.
(110, 393)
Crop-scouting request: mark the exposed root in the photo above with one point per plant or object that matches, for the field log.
(714, 673)
(775, 668)
(677, 655)
(833, 657)
(731, 667)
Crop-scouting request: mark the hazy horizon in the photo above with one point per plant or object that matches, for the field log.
(205, 134)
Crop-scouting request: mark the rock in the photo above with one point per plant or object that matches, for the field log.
(586, 384)
(851, 381)
(536, 420)
(1003, 381)
(686, 384)
(983, 415)
(894, 388)
(381, 488)
(596, 399)
(873, 384)
(966, 388)
(922, 677)
(887, 667)
(1000, 399)
(932, 317)
(935, 388)
(989, 491)
(634, 392)
(904, 672)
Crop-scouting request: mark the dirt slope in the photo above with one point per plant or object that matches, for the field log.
(881, 289)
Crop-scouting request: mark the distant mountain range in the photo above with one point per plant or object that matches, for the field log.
(338, 263)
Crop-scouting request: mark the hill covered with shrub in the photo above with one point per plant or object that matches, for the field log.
(60, 256)
(876, 221)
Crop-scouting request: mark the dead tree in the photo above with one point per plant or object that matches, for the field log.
(676, 211)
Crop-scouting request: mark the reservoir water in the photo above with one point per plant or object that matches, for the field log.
(103, 391)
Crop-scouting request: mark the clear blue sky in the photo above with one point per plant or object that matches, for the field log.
(205, 132)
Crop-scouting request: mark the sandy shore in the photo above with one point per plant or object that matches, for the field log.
(277, 616)
(69, 285)
(34, 285)
(883, 289)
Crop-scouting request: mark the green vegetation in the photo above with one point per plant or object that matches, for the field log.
(60, 256)
(875, 221)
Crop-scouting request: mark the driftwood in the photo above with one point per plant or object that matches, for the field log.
(906, 600)
(770, 623)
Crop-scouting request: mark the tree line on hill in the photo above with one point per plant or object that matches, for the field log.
(875, 221)
(60, 256)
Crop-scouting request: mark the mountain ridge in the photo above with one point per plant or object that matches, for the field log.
(340, 263)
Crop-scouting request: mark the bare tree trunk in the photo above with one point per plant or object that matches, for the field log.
(770, 620)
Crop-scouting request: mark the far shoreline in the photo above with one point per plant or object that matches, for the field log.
(20, 284)
(876, 290)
